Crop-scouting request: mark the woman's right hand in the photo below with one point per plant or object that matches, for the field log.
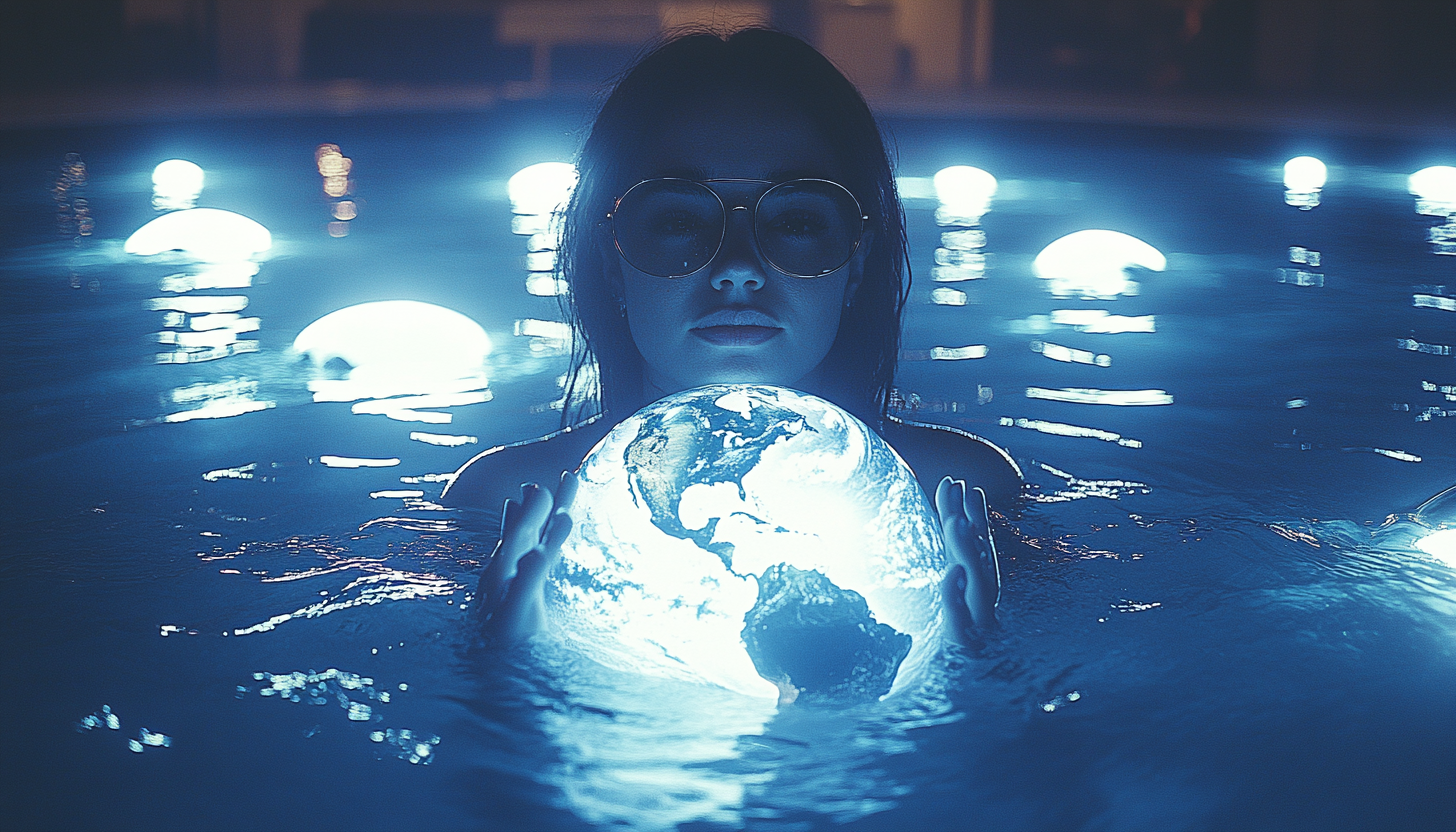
(510, 600)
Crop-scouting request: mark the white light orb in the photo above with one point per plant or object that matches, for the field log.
(734, 533)
(1440, 545)
(541, 188)
(209, 234)
(177, 180)
(1436, 183)
(1093, 264)
(964, 190)
(1304, 174)
(396, 346)
(1435, 190)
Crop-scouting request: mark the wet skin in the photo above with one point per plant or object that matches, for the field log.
(738, 319)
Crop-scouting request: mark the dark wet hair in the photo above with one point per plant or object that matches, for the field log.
(763, 63)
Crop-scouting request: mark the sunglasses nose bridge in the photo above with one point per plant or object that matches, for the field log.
(738, 249)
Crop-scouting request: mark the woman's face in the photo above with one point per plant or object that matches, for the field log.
(737, 319)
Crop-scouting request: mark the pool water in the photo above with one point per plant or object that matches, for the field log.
(1217, 613)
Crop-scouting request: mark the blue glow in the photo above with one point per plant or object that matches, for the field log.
(964, 191)
(176, 183)
(1093, 264)
(396, 347)
(1435, 190)
(1304, 177)
(209, 234)
(1436, 183)
(1304, 174)
(541, 188)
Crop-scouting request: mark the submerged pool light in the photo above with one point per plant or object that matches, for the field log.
(1435, 190)
(1304, 177)
(176, 184)
(541, 188)
(395, 347)
(964, 191)
(209, 234)
(1093, 264)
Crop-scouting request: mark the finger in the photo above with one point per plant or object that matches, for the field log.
(958, 616)
(566, 491)
(976, 512)
(515, 617)
(558, 528)
(980, 521)
(984, 585)
(943, 497)
(955, 528)
(535, 510)
(502, 564)
(510, 516)
(493, 581)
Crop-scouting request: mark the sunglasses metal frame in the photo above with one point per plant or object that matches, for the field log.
(723, 230)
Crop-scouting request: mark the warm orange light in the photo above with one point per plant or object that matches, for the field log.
(334, 164)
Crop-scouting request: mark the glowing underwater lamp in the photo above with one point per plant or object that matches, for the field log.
(964, 191)
(541, 188)
(1304, 177)
(176, 183)
(395, 345)
(1434, 189)
(1093, 264)
(209, 234)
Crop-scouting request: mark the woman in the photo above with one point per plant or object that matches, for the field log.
(735, 221)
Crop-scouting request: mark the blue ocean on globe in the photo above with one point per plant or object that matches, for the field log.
(738, 534)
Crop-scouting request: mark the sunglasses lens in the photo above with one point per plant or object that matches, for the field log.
(668, 227)
(807, 227)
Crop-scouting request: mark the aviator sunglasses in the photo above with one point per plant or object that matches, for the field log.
(673, 227)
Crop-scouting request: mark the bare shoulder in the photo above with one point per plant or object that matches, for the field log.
(491, 476)
(936, 451)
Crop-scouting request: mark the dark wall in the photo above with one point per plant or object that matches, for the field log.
(1398, 50)
(344, 40)
(1363, 49)
(66, 44)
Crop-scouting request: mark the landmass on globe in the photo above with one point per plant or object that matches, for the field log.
(818, 642)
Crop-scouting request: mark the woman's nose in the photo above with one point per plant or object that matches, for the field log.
(737, 264)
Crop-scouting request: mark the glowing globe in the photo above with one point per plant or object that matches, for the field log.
(737, 534)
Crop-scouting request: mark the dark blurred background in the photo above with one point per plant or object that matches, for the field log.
(74, 59)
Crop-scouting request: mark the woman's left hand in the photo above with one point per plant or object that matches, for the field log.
(972, 583)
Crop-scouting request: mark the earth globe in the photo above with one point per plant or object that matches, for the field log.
(755, 538)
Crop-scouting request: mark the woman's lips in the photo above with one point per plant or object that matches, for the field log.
(736, 336)
(737, 327)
